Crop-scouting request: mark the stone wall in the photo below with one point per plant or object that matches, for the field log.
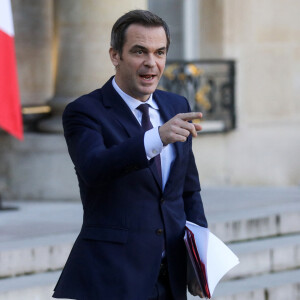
(262, 36)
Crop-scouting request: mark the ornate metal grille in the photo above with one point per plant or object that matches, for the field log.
(209, 87)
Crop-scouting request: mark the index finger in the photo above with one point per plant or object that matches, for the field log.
(190, 116)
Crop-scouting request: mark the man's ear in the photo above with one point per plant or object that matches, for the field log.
(114, 56)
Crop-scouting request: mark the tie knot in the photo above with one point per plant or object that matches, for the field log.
(144, 108)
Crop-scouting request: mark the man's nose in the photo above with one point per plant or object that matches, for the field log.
(150, 60)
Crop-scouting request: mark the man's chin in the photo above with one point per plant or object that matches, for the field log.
(144, 95)
(148, 92)
(149, 89)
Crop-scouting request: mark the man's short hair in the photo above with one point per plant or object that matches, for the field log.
(142, 17)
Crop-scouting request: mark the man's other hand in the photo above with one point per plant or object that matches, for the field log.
(178, 128)
(192, 282)
(194, 288)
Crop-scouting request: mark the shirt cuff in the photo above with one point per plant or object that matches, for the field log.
(152, 142)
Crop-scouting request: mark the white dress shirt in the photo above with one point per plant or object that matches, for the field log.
(152, 142)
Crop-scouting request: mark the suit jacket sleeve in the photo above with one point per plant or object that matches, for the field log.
(94, 162)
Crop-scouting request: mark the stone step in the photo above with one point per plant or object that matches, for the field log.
(50, 253)
(38, 237)
(34, 255)
(29, 287)
(266, 256)
(248, 222)
(277, 286)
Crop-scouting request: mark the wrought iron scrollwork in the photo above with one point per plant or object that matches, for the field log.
(209, 87)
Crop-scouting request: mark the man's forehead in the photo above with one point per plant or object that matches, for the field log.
(145, 33)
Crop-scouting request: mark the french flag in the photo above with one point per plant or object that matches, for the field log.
(10, 108)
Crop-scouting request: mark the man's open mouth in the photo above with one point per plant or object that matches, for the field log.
(147, 77)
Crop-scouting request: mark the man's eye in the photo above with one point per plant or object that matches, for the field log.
(160, 52)
(139, 51)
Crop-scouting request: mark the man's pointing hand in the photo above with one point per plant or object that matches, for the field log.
(178, 128)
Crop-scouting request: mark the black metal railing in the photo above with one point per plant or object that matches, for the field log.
(209, 87)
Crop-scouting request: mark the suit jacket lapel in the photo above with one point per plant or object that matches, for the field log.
(123, 115)
(120, 110)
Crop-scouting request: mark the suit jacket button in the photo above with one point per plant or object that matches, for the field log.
(162, 200)
(159, 231)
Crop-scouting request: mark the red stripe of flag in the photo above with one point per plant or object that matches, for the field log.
(10, 109)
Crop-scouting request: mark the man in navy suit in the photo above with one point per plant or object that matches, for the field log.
(131, 146)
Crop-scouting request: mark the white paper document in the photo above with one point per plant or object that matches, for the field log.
(216, 256)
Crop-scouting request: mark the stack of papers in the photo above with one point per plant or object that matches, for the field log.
(210, 257)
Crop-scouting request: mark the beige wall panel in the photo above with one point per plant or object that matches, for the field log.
(265, 156)
(208, 149)
(254, 156)
(211, 28)
(33, 22)
(277, 21)
(266, 91)
(238, 22)
(261, 36)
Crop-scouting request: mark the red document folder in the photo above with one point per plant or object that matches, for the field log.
(198, 265)
(210, 257)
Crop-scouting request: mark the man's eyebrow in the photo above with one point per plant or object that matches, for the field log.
(146, 49)
(138, 47)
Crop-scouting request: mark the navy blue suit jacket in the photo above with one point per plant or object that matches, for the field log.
(128, 218)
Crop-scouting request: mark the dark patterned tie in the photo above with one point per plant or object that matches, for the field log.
(146, 125)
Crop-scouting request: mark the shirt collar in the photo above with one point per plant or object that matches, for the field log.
(132, 102)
